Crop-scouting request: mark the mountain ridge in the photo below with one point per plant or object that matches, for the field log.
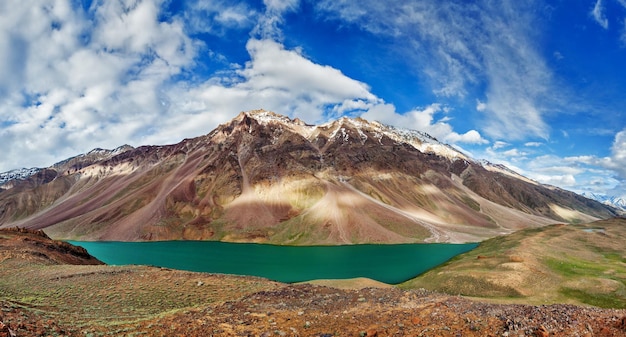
(263, 177)
(616, 201)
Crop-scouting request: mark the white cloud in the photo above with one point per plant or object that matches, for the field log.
(285, 81)
(460, 45)
(424, 120)
(499, 144)
(595, 174)
(86, 78)
(470, 137)
(514, 153)
(281, 6)
(618, 154)
(585, 173)
(616, 162)
(268, 24)
(273, 67)
(216, 17)
(598, 15)
(554, 169)
(274, 79)
(563, 181)
(480, 106)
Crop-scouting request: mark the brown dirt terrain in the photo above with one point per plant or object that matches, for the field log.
(59, 296)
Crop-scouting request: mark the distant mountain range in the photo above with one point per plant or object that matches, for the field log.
(618, 202)
(263, 177)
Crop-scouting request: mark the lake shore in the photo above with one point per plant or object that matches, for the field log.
(67, 298)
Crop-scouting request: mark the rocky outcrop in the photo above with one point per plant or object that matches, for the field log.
(35, 245)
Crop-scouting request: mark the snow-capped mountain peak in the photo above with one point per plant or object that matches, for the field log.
(618, 202)
(418, 139)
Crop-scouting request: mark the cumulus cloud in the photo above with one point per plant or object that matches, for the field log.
(86, 76)
(618, 155)
(275, 79)
(284, 80)
(424, 120)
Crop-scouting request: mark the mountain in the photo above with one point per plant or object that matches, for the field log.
(15, 175)
(263, 177)
(618, 202)
(9, 179)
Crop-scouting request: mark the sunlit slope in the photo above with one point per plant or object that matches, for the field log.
(263, 177)
(581, 264)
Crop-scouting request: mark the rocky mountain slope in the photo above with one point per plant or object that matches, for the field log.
(263, 177)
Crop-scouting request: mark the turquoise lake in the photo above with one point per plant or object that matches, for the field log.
(386, 263)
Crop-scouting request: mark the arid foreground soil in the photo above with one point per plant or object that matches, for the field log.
(306, 310)
(43, 295)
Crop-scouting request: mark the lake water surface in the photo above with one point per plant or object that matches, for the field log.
(386, 263)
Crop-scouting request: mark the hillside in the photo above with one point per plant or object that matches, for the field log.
(263, 177)
(47, 297)
(579, 264)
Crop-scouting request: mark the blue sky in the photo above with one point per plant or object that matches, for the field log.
(537, 85)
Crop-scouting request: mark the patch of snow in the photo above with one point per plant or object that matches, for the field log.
(422, 142)
(18, 174)
(419, 140)
(265, 117)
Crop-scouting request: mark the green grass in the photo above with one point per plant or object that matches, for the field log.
(572, 267)
(595, 299)
(552, 264)
(618, 257)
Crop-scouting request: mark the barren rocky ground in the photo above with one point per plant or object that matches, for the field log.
(42, 293)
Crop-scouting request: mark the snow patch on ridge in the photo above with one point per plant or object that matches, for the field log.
(419, 140)
(18, 174)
